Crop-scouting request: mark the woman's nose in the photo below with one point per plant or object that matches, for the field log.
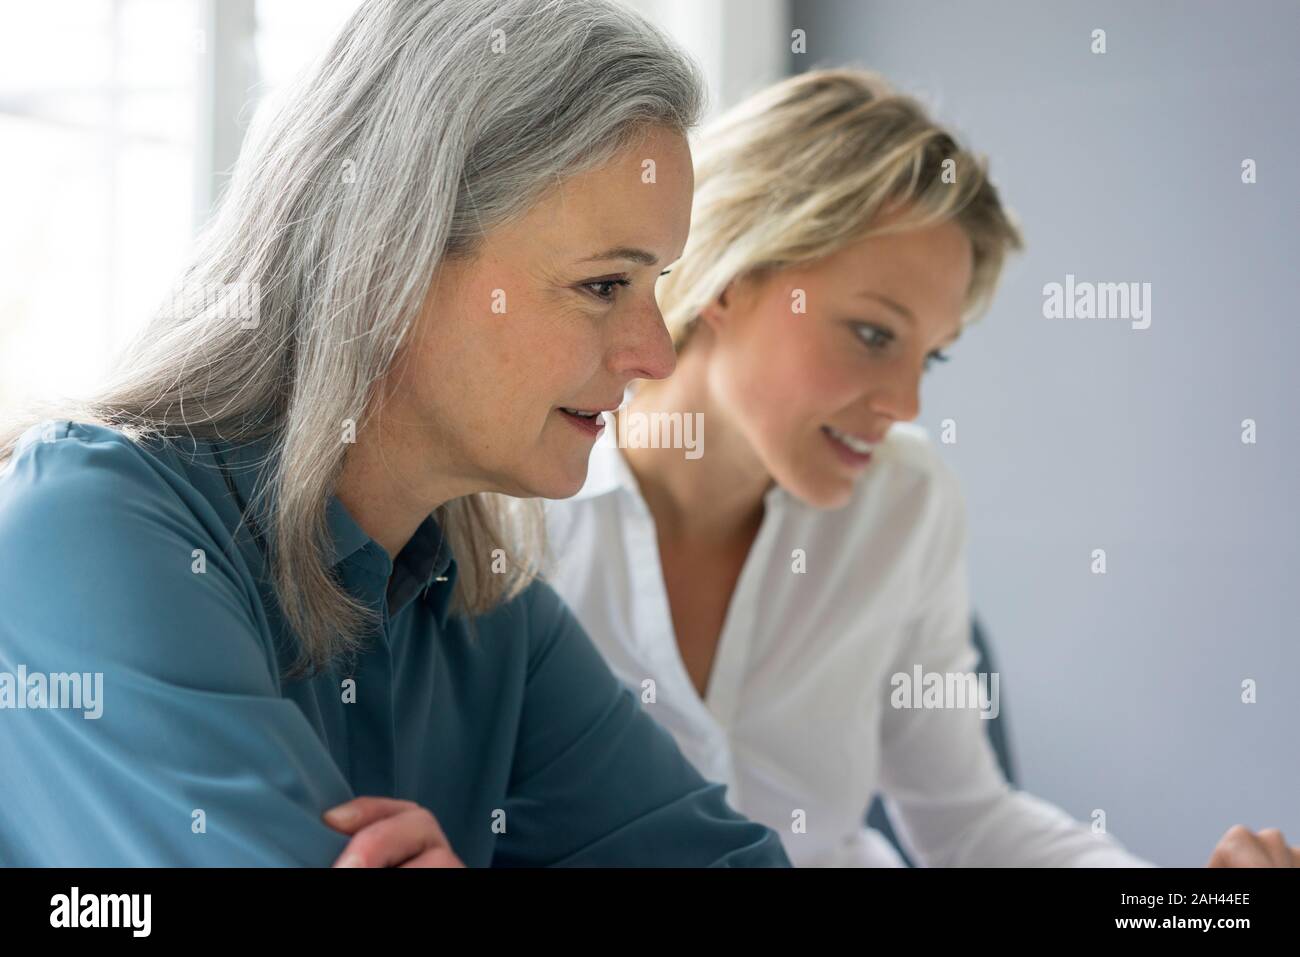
(645, 348)
(898, 398)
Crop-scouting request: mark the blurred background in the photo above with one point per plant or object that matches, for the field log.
(119, 120)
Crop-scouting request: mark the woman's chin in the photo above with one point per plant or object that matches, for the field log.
(562, 484)
(826, 492)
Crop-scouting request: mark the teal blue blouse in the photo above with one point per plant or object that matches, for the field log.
(124, 567)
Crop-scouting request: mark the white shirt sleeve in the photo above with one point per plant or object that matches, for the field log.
(943, 788)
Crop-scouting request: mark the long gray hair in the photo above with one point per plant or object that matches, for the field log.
(426, 124)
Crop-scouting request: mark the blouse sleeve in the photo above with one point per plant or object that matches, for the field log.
(943, 787)
(112, 570)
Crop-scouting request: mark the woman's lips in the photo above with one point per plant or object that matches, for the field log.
(591, 425)
(851, 450)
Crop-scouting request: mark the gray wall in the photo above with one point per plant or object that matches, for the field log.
(1124, 690)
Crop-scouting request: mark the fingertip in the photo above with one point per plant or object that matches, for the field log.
(344, 814)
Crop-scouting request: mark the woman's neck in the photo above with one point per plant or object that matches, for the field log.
(390, 482)
(709, 500)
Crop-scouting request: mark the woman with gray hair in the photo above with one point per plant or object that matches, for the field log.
(263, 599)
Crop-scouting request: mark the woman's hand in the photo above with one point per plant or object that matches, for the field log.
(1242, 848)
(390, 833)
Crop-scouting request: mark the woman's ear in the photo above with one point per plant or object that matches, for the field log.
(719, 311)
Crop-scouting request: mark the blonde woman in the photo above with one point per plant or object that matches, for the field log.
(762, 590)
(270, 557)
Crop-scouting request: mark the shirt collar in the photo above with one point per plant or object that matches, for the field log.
(425, 564)
(608, 471)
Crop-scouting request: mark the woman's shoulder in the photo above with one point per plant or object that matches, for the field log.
(536, 613)
(83, 477)
(109, 551)
(535, 607)
(58, 458)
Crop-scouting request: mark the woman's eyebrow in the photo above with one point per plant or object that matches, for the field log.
(902, 310)
(641, 256)
(907, 314)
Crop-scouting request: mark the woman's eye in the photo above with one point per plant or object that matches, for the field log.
(603, 289)
(874, 336)
(877, 338)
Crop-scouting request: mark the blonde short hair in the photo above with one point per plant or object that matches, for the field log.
(816, 162)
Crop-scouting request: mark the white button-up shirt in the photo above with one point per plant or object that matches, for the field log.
(799, 719)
